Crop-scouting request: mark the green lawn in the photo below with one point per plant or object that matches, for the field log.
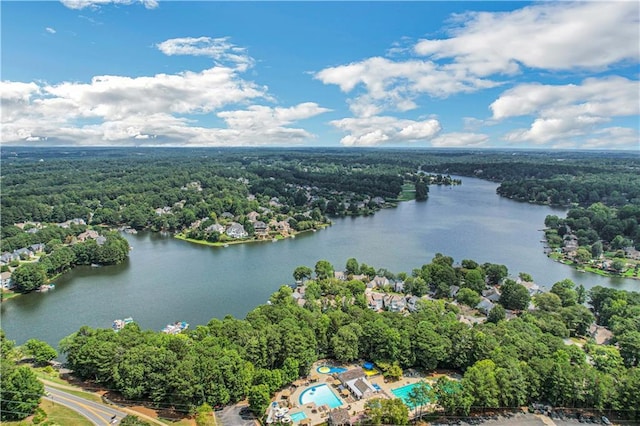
(56, 413)
(408, 192)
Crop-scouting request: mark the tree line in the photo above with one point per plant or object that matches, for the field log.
(505, 363)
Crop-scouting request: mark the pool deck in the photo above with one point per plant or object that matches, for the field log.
(316, 415)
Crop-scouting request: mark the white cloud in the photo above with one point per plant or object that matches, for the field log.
(567, 111)
(50, 30)
(161, 109)
(549, 35)
(158, 109)
(459, 140)
(614, 137)
(394, 85)
(114, 97)
(81, 4)
(484, 47)
(15, 91)
(219, 49)
(371, 131)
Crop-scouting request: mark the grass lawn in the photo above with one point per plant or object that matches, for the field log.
(56, 413)
(408, 192)
(8, 294)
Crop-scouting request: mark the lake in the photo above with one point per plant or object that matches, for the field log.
(167, 280)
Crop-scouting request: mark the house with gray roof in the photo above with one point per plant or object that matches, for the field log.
(216, 227)
(236, 230)
(7, 258)
(260, 228)
(23, 253)
(485, 306)
(356, 381)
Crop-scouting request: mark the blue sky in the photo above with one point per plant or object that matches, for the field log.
(545, 75)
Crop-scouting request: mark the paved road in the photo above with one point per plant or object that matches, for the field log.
(99, 414)
(236, 415)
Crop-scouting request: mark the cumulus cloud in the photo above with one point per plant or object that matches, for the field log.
(82, 4)
(372, 131)
(567, 111)
(552, 36)
(50, 30)
(486, 49)
(159, 109)
(460, 140)
(219, 49)
(395, 84)
(613, 137)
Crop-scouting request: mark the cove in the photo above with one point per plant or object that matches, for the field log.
(167, 280)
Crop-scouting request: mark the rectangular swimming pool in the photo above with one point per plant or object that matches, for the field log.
(296, 417)
(403, 394)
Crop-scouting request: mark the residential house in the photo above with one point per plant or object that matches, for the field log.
(492, 294)
(253, 216)
(375, 301)
(394, 302)
(88, 234)
(339, 275)
(196, 224)
(485, 306)
(398, 286)
(163, 210)
(379, 282)
(236, 230)
(275, 202)
(68, 223)
(7, 258)
(216, 227)
(570, 243)
(532, 287)
(632, 253)
(23, 253)
(5, 280)
(453, 291)
(261, 229)
(360, 277)
(32, 231)
(339, 417)
(226, 215)
(281, 226)
(412, 303)
(37, 248)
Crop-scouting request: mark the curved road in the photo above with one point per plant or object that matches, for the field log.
(98, 414)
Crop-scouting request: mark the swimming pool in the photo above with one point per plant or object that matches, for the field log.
(327, 369)
(320, 395)
(403, 394)
(296, 417)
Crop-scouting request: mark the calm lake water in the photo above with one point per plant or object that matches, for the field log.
(167, 280)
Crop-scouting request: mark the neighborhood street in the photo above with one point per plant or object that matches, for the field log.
(97, 413)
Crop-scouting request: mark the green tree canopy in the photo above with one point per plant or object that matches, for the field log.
(28, 277)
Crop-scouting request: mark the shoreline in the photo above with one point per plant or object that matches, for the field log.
(237, 242)
(595, 271)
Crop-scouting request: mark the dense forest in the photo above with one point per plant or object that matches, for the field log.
(505, 362)
(125, 186)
